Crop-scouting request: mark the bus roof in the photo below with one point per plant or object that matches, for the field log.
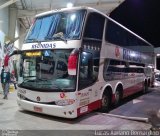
(95, 10)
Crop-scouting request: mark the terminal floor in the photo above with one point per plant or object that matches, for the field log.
(144, 106)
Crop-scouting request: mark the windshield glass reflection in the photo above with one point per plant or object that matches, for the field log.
(46, 71)
(57, 26)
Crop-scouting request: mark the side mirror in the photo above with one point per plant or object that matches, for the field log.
(15, 52)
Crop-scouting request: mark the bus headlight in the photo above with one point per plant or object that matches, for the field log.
(65, 102)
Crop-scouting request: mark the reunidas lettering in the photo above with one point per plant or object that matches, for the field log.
(131, 55)
(44, 46)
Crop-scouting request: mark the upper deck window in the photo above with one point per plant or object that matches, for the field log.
(57, 26)
(94, 26)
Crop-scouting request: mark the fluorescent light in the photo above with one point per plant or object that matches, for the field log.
(73, 17)
(69, 5)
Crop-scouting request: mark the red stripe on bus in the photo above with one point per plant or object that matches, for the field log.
(131, 90)
(97, 104)
(92, 106)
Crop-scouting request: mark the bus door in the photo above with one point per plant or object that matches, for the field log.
(89, 66)
(87, 79)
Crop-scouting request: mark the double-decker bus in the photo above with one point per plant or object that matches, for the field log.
(77, 60)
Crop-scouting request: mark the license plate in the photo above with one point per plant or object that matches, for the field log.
(38, 109)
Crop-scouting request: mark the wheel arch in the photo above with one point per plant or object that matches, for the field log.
(118, 84)
(107, 87)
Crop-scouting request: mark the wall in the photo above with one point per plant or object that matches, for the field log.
(16, 43)
(4, 17)
(3, 31)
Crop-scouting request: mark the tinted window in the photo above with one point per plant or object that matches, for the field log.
(66, 25)
(118, 70)
(94, 26)
(116, 34)
(114, 70)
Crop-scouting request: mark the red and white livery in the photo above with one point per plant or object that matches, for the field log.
(77, 60)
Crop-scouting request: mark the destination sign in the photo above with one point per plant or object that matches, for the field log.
(33, 54)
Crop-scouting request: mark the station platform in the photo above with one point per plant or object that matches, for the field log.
(139, 105)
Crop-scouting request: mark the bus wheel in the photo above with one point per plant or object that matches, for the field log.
(118, 96)
(106, 101)
(145, 88)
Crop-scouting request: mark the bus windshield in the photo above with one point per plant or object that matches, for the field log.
(57, 26)
(46, 70)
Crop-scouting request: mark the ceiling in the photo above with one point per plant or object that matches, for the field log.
(27, 9)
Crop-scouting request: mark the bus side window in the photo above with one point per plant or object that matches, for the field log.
(91, 31)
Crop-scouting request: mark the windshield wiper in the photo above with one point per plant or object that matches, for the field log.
(33, 80)
(28, 76)
(58, 87)
(34, 40)
(41, 79)
(27, 80)
(59, 35)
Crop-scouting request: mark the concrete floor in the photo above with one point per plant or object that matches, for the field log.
(146, 106)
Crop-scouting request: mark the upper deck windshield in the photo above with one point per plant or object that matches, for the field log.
(46, 70)
(57, 26)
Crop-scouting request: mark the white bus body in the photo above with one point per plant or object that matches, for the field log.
(97, 69)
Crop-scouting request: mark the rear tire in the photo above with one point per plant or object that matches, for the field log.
(106, 102)
(118, 96)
